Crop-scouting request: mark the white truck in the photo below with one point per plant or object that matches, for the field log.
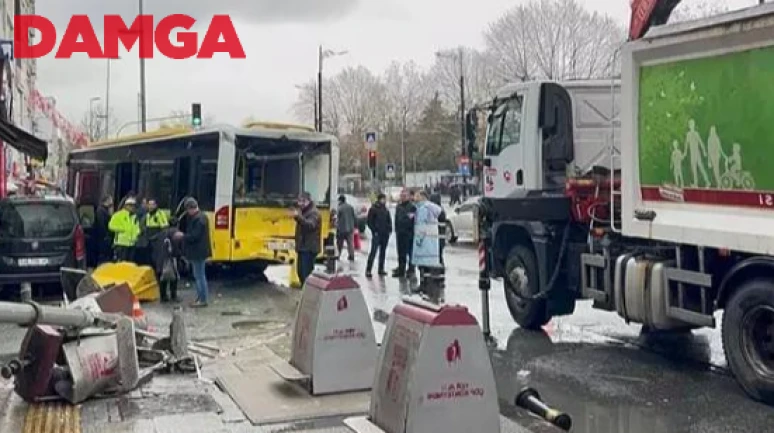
(674, 227)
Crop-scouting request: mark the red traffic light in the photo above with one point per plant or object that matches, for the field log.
(372, 159)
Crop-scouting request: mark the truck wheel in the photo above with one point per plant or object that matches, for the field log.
(521, 281)
(748, 338)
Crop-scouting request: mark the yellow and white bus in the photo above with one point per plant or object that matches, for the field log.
(245, 179)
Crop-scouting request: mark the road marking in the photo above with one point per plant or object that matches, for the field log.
(55, 417)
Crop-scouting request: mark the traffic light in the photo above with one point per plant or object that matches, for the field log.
(471, 128)
(372, 159)
(196, 115)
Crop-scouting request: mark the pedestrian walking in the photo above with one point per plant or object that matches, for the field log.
(308, 232)
(197, 248)
(380, 224)
(103, 237)
(123, 224)
(345, 227)
(426, 249)
(405, 212)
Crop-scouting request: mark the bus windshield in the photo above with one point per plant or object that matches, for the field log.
(264, 177)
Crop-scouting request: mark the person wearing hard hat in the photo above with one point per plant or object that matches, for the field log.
(125, 230)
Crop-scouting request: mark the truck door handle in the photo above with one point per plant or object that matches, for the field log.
(519, 177)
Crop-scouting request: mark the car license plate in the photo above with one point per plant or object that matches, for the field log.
(33, 262)
(281, 246)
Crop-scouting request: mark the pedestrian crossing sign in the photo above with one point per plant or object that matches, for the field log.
(370, 140)
(389, 170)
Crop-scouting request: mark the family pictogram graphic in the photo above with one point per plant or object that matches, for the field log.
(729, 176)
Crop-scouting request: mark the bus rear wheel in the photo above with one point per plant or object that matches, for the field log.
(748, 338)
(521, 282)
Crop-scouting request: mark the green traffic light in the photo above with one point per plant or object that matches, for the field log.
(197, 122)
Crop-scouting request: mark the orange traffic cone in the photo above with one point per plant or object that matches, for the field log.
(356, 240)
(137, 314)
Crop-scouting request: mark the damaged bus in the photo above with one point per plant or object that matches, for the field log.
(245, 179)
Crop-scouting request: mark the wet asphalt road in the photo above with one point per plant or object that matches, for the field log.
(593, 365)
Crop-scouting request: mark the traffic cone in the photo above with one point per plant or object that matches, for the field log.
(137, 314)
(293, 279)
(356, 240)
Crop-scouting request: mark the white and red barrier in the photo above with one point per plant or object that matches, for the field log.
(334, 347)
(434, 375)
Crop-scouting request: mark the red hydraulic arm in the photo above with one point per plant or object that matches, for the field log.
(646, 13)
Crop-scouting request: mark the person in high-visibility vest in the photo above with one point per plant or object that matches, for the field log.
(125, 229)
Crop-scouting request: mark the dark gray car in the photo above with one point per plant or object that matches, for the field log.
(38, 236)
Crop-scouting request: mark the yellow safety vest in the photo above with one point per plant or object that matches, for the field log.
(156, 221)
(125, 227)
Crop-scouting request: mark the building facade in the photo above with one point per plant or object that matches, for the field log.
(23, 76)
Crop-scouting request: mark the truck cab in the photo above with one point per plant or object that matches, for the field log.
(541, 132)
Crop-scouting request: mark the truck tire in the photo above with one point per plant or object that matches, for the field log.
(521, 281)
(748, 338)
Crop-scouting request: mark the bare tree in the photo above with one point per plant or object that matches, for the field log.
(406, 92)
(477, 69)
(553, 39)
(695, 9)
(94, 123)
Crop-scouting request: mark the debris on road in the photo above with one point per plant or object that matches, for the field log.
(93, 346)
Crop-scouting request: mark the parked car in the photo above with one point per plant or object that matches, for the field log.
(38, 236)
(361, 206)
(461, 222)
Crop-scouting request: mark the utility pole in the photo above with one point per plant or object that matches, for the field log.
(317, 122)
(319, 90)
(107, 101)
(403, 147)
(463, 149)
(321, 56)
(143, 101)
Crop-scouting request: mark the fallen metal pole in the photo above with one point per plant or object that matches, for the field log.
(31, 313)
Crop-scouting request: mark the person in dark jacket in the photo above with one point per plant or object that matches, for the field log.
(103, 237)
(166, 263)
(308, 235)
(380, 224)
(405, 212)
(197, 248)
(436, 198)
(345, 227)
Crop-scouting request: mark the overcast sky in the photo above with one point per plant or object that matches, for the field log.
(280, 38)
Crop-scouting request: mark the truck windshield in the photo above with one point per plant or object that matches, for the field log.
(36, 220)
(505, 126)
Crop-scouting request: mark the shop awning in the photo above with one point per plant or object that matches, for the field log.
(23, 141)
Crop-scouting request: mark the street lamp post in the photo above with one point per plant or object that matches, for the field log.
(143, 101)
(107, 100)
(322, 55)
(91, 116)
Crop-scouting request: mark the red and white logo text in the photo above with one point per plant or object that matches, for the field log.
(171, 36)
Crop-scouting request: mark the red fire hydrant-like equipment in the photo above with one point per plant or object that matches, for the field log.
(356, 240)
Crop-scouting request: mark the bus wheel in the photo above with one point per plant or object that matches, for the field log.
(748, 338)
(520, 283)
